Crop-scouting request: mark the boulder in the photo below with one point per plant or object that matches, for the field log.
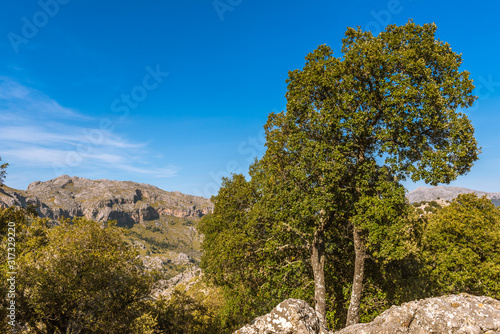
(451, 314)
(293, 316)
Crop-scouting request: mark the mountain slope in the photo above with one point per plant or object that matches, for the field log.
(160, 224)
(447, 193)
(126, 202)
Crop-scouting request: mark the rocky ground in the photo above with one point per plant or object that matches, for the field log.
(449, 314)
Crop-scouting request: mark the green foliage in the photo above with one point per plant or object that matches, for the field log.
(81, 276)
(3, 171)
(430, 209)
(182, 313)
(394, 96)
(145, 324)
(354, 127)
(230, 239)
(461, 248)
(384, 218)
(434, 204)
(241, 255)
(77, 276)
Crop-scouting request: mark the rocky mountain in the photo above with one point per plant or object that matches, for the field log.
(461, 313)
(447, 193)
(126, 202)
(160, 224)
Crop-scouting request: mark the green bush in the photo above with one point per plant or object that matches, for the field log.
(461, 248)
(77, 277)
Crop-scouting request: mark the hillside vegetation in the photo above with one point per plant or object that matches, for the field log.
(87, 277)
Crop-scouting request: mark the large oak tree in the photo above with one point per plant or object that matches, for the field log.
(390, 101)
(355, 126)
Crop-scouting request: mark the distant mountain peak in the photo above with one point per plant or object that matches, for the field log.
(447, 193)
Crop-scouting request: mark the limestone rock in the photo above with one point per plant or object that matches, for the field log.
(447, 314)
(187, 278)
(450, 314)
(292, 316)
(126, 202)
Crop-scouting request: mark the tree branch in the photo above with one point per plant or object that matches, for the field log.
(300, 234)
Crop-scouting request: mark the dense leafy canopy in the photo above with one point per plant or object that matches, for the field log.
(354, 127)
(461, 248)
(79, 277)
(240, 255)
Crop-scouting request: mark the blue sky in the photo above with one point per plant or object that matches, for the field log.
(175, 93)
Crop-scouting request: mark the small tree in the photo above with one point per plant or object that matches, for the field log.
(78, 277)
(3, 171)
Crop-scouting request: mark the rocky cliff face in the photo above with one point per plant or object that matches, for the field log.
(447, 314)
(447, 193)
(126, 202)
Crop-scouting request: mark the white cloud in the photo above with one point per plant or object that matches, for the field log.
(57, 142)
(34, 156)
(64, 134)
(19, 99)
(156, 172)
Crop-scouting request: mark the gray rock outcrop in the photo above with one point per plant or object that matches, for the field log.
(165, 288)
(292, 316)
(447, 314)
(101, 200)
(451, 314)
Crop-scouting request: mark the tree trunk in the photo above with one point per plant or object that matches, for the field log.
(318, 266)
(357, 282)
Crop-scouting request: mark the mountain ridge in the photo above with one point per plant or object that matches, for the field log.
(126, 202)
(130, 202)
(447, 193)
